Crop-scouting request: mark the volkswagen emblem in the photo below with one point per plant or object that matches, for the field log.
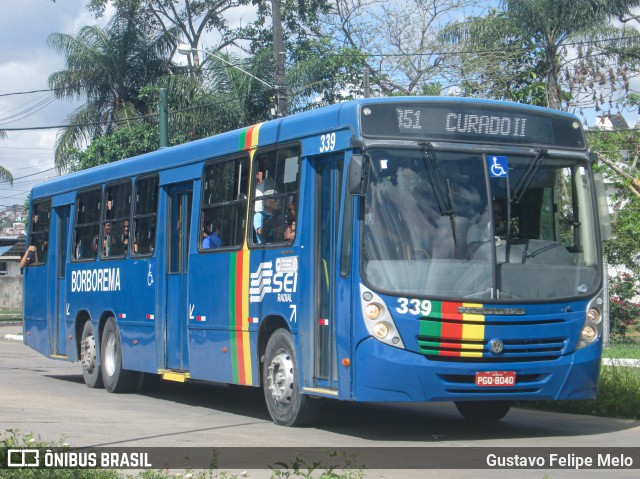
(496, 345)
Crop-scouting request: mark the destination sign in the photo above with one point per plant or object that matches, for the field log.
(469, 122)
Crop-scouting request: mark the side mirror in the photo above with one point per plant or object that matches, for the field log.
(358, 175)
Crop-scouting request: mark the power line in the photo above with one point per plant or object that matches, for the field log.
(27, 176)
(383, 55)
(142, 117)
(27, 112)
(32, 91)
(22, 148)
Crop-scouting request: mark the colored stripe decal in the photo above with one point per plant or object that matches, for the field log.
(249, 137)
(457, 335)
(240, 343)
(232, 318)
(238, 323)
(248, 369)
(239, 338)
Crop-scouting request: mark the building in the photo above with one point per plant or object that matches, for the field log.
(612, 122)
(11, 250)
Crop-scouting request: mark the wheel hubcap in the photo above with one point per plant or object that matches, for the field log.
(280, 377)
(110, 355)
(88, 353)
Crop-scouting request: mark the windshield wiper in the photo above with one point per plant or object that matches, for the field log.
(525, 180)
(441, 186)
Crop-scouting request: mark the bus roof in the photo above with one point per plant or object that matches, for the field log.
(300, 125)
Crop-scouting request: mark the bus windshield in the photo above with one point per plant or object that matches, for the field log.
(476, 227)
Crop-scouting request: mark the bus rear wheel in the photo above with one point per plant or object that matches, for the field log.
(483, 411)
(115, 378)
(88, 357)
(285, 402)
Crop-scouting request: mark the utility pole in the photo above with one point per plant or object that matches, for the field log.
(278, 52)
(163, 118)
(367, 88)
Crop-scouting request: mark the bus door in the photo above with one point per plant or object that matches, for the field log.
(58, 266)
(328, 194)
(177, 241)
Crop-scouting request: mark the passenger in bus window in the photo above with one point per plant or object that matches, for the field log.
(30, 257)
(125, 235)
(264, 221)
(213, 238)
(107, 240)
(111, 245)
(94, 248)
(262, 184)
(290, 230)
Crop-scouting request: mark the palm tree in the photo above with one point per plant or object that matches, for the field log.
(107, 67)
(550, 25)
(5, 175)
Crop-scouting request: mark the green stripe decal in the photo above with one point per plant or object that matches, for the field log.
(232, 318)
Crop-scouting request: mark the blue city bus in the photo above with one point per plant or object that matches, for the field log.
(390, 249)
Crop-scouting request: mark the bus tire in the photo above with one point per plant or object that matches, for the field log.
(483, 411)
(115, 378)
(91, 371)
(285, 402)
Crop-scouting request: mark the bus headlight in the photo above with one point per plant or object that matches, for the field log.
(589, 334)
(372, 311)
(592, 326)
(594, 316)
(378, 320)
(381, 330)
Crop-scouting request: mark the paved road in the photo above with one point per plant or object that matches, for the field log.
(48, 398)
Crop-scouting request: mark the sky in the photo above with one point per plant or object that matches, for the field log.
(26, 61)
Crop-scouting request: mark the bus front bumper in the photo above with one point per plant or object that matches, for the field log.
(384, 373)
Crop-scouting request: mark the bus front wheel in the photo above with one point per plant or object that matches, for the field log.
(285, 402)
(483, 411)
(115, 378)
(88, 358)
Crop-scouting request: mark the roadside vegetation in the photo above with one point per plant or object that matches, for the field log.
(619, 388)
(10, 315)
(618, 396)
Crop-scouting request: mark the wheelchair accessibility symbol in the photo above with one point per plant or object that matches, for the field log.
(498, 167)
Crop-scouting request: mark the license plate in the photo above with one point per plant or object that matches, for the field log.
(496, 378)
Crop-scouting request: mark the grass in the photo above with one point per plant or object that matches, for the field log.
(618, 396)
(10, 315)
(627, 350)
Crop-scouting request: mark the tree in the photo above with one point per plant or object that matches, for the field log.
(5, 175)
(554, 29)
(619, 155)
(397, 41)
(107, 67)
(182, 21)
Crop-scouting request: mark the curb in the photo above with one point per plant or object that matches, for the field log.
(621, 362)
(10, 323)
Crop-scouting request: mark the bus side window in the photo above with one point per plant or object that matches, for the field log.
(224, 203)
(115, 225)
(39, 233)
(87, 222)
(275, 195)
(145, 209)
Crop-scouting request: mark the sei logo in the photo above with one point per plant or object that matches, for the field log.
(283, 281)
